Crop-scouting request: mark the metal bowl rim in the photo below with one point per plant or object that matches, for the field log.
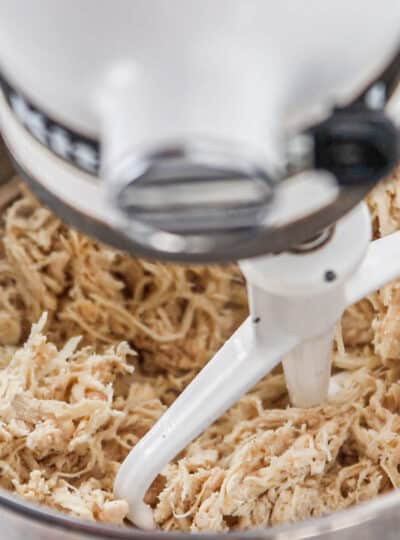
(342, 519)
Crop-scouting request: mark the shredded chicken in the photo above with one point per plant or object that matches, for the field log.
(177, 316)
(72, 407)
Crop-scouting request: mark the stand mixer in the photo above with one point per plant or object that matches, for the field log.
(205, 131)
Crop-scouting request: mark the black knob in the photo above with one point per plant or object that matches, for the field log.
(357, 145)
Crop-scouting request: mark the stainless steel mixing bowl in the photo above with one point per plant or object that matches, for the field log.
(376, 519)
(20, 520)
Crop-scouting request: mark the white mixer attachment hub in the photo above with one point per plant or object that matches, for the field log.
(304, 292)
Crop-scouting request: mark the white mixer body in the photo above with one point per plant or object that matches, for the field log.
(231, 69)
(110, 79)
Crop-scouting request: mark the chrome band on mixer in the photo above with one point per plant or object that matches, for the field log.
(79, 150)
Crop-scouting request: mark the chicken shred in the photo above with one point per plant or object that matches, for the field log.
(72, 407)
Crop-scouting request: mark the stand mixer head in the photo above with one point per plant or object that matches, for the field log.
(192, 131)
(120, 114)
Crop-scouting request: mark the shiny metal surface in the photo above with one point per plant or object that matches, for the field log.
(379, 518)
(193, 187)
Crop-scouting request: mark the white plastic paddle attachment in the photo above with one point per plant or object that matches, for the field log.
(295, 301)
(238, 366)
